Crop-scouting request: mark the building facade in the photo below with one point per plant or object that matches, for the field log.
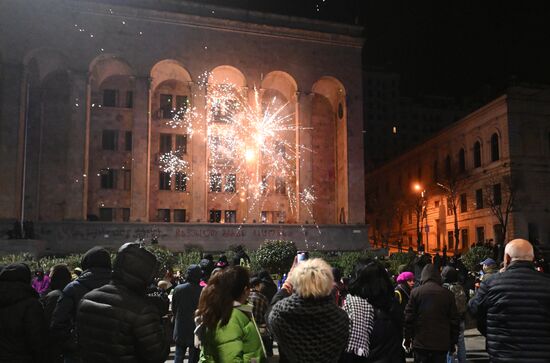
(178, 112)
(490, 170)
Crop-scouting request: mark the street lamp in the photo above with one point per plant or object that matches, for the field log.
(420, 212)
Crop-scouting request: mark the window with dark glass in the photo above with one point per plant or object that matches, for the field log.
(461, 161)
(181, 143)
(463, 203)
(165, 106)
(215, 216)
(181, 104)
(497, 231)
(126, 214)
(127, 178)
(450, 211)
(163, 215)
(179, 215)
(110, 97)
(108, 179)
(477, 154)
(128, 141)
(497, 196)
(109, 140)
(450, 238)
(280, 185)
(181, 182)
(106, 214)
(230, 216)
(464, 238)
(495, 153)
(480, 234)
(164, 180)
(215, 182)
(165, 145)
(264, 184)
(230, 183)
(479, 198)
(129, 99)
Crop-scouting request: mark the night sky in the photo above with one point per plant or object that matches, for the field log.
(455, 48)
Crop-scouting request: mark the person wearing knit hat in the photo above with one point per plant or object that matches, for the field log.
(405, 283)
(96, 264)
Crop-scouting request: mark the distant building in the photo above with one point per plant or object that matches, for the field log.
(499, 151)
(90, 91)
(395, 123)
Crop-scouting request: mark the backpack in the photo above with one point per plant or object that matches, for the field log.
(460, 297)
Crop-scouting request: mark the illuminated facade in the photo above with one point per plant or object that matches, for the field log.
(498, 151)
(125, 120)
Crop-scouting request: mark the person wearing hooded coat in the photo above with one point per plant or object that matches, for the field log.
(118, 322)
(23, 329)
(431, 320)
(185, 300)
(449, 275)
(96, 264)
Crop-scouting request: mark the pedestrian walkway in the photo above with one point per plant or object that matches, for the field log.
(475, 349)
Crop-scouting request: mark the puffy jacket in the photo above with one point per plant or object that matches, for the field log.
(513, 308)
(118, 322)
(236, 342)
(185, 300)
(431, 319)
(23, 329)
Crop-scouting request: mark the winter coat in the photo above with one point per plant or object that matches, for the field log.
(49, 302)
(386, 336)
(118, 322)
(185, 300)
(236, 342)
(402, 294)
(513, 309)
(309, 330)
(23, 330)
(431, 320)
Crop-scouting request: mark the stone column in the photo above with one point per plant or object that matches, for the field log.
(14, 84)
(76, 153)
(306, 157)
(199, 161)
(298, 154)
(141, 139)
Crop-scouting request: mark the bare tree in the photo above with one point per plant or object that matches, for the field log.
(499, 195)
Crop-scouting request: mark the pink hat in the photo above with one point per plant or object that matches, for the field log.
(405, 276)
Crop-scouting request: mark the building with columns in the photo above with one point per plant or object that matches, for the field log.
(90, 91)
(472, 169)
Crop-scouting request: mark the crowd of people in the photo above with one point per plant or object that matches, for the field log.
(220, 312)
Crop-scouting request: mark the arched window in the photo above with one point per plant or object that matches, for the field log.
(477, 154)
(495, 155)
(461, 161)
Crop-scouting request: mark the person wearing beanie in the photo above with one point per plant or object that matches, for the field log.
(96, 266)
(185, 300)
(23, 327)
(118, 322)
(405, 283)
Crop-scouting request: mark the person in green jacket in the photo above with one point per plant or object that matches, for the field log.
(228, 332)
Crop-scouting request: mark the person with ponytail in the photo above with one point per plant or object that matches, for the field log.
(228, 332)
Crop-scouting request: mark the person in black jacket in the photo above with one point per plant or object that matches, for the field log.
(96, 264)
(513, 309)
(23, 329)
(431, 319)
(185, 300)
(118, 322)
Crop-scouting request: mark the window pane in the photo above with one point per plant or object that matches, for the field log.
(110, 97)
(164, 181)
(215, 216)
(280, 185)
(129, 99)
(463, 203)
(165, 106)
(495, 155)
(179, 215)
(230, 216)
(109, 140)
(108, 179)
(164, 215)
(477, 155)
(230, 183)
(128, 140)
(215, 182)
(181, 182)
(106, 214)
(165, 145)
(181, 104)
(181, 143)
(480, 234)
(479, 198)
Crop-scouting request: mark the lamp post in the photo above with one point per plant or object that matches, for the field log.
(420, 212)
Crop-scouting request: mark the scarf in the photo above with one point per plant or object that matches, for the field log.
(361, 316)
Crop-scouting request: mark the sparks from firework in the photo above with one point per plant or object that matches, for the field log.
(252, 139)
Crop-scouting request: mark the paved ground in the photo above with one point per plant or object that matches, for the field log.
(475, 347)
